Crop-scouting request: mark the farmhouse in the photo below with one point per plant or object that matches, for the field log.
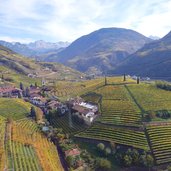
(86, 111)
(72, 152)
(53, 104)
(9, 91)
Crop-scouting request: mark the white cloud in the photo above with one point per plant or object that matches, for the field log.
(56, 20)
(21, 40)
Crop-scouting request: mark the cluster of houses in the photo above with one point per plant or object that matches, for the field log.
(10, 91)
(84, 110)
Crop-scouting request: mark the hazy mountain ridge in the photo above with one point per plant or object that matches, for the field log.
(34, 48)
(153, 60)
(24, 66)
(101, 50)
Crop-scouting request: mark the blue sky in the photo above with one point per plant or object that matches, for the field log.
(66, 20)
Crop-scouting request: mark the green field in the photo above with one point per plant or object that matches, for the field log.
(68, 126)
(151, 98)
(14, 108)
(122, 136)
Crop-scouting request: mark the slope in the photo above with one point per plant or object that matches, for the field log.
(16, 68)
(34, 48)
(101, 49)
(153, 60)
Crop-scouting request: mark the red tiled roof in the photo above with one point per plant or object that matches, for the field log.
(72, 152)
(8, 89)
(80, 109)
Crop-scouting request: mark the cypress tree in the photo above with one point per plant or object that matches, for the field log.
(21, 86)
(138, 80)
(124, 78)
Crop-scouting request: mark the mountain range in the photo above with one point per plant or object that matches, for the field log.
(106, 51)
(34, 49)
(152, 60)
(17, 68)
(101, 50)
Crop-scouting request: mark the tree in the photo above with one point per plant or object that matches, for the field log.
(127, 160)
(105, 80)
(70, 161)
(113, 146)
(100, 146)
(103, 164)
(169, 168)
(32, 112)
(138, 80)
(2, 77)
(124, 78)
(27, 92)
(135, 156)
(19, 95)
(35, 84)
(21, 86)
(107, 151)
(150, 161)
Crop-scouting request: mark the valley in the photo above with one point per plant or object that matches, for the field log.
(54, 117)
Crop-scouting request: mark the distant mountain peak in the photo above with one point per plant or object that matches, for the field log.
(34, 48)
(154, 37)
(101, 49)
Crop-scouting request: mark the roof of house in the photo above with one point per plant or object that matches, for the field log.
(80, 109)
(32, 95)
(34, 89)
(8, 89)
(72, 152)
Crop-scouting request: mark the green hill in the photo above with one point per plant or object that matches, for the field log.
(100, 50)
(16, 68)
(153, 60)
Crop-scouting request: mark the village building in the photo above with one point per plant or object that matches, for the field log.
(36, 97)
(87, 111)
(10, 92)
(72, 152)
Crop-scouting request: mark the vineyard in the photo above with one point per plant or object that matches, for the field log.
(151, 98)
(122, 136)
(14, 108)
(30, 150)
(92, 97)
(160, 140)
(67, 125)
(117, 106)
(119, 80)
(22, 145)
(65, 89)
(2, 145)
(120, 113)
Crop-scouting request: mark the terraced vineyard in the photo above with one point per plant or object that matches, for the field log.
(122, 136)
(22, 145)
(15, 108)
(37, 153)
(92, 97)
(119, 80)
(118, 107)
(67, 126)
(64, 89)
(111, 92)
(120, 112)
(2, 145)
(25, 157)
(160, 140)
(151, 98)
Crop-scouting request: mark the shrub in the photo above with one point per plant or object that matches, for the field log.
(100, 146)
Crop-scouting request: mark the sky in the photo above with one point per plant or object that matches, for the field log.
(66, 20)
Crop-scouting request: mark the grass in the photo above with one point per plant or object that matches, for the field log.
(92, 149)
(151, 98)
(14, 108)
